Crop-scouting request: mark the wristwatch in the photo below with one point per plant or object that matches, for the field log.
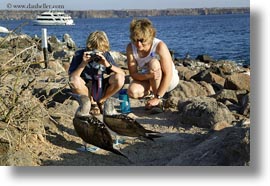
(158, 96)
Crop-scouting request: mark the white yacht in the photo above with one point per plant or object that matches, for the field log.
(4, 30)
(53, 18)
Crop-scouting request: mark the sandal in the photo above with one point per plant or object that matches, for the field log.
(149, 95)
(95, 109)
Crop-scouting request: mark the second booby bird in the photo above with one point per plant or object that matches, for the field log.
(122, 124)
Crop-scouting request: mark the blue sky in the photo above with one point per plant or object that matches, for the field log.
(121, 4)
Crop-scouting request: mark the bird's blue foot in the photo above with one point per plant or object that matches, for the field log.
(88, 149)
(119, 141)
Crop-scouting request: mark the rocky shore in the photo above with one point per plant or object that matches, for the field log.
(206, 120)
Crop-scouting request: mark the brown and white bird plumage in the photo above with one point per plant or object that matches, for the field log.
(90, 129)
(122, 124)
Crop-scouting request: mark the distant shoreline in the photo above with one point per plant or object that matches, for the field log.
(31, 14)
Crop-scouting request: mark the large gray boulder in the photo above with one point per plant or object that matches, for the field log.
(238, 81)
(188, 89)
(203, 112)
(228, 147)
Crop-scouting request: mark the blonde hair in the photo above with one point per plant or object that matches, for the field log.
(98, 40)
(142, 29)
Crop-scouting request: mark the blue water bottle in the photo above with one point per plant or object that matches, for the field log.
(125, 104)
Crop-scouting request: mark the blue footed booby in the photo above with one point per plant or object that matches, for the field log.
(90, 129)
(122, 124)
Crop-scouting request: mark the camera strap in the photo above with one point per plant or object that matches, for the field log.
(97, 86)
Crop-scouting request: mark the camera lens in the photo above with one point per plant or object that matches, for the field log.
(95, 57)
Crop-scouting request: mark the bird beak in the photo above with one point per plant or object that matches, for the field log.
(116, 100)
(75, 96)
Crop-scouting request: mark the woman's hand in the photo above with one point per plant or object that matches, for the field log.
(152, 102)
(156, 74)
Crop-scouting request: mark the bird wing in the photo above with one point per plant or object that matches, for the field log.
(92, 131)
(124, 125)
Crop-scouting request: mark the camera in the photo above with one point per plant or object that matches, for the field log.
(94, 56)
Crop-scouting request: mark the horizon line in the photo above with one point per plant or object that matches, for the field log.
(123, 9)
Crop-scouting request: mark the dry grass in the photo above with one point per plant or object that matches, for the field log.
(21, 113)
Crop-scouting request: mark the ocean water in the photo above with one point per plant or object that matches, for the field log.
(223, 37)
